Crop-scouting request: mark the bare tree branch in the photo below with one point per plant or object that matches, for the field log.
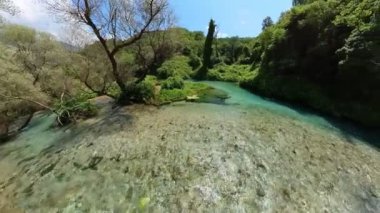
(116, 24)
(29, 100)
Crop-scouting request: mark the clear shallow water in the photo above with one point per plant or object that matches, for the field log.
(251, 155)
(39, 134)
(244, 98)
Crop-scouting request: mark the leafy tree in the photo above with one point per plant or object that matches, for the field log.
(176, 66)
(8, 6)
(90, 66)
(267, 22)
(207, 52)
(316, 50)
(232, 50)
(39, 55)
(117, 24)
(18, 96)
(37, 52)
(34, 75)
(298, 2)
(152, 51)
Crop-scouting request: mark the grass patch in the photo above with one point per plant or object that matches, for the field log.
(173, 83)
(203, 91)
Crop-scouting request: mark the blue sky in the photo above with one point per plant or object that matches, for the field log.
(233, 17)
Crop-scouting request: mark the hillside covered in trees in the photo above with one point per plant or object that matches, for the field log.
(323, 54)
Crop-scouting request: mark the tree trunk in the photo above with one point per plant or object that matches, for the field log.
(4, 132)
(124, 96)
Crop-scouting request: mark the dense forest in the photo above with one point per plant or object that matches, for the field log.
(322, 54)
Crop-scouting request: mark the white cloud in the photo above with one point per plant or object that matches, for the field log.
(33, 14)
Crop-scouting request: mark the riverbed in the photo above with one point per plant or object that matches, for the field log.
(247, 155)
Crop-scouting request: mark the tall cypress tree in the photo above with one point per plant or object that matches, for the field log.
(207, 52)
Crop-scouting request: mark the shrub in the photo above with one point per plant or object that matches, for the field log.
(177, 66)
(232, 73)
(204, 92)
(168, 96)
(195, 62)
(143, 91)
(74, 108)
(173, 83)
(114, 90)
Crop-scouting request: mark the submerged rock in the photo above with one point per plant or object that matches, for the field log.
(208, 194)
(260, 191)
(94, 161)
(20, 123)
(48, 169)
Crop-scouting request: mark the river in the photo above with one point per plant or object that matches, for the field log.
(247, 155)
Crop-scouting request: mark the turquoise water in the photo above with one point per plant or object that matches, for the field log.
(39, 135)
(244, 98)
(192, 157)
(239, 96)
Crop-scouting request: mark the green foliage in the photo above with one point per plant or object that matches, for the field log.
(169, 96)
(316, 50)
(232, 50)
(74, 108)
(142, 92)
(113, 90)
(173, 83)
(15, 83)
(358, 14)
(195, 61)
(173, 95)
(39, 55)
(291, 89)
(187, 42)
(18, 35)
(231, 73)
(207, 51)
(178, 66)
(204, 92)
(299, 2)
(267, 22)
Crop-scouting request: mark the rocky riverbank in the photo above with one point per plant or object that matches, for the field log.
(189, 157)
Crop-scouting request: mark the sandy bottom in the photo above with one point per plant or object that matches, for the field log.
(190, 158)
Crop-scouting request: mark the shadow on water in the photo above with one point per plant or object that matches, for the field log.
(347, 129)
(105, 124)
(43, 137)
